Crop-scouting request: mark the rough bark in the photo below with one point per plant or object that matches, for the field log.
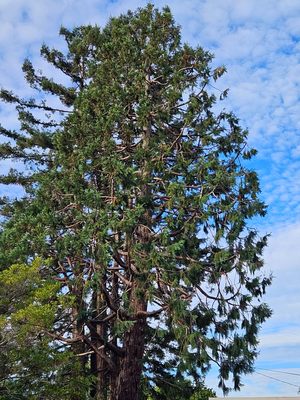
(128, 382)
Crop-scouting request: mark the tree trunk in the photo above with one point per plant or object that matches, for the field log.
(128, 382)
(131, 365)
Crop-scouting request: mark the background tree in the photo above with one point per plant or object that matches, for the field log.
(32, 364)
(137, 199)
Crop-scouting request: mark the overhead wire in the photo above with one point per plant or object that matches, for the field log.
(276, 379)
(279, 372)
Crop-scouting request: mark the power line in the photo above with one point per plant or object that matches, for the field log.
(276, 379)
(280, 372)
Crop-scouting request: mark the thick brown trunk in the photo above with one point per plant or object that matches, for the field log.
(128, 382)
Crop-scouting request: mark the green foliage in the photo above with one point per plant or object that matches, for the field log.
(32, 365)
(203, 394)
(177, 390)
(137, 195)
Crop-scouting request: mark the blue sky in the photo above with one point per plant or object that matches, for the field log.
(259, 43)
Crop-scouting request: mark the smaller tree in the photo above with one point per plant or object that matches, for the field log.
(177, 390)
(32, 363)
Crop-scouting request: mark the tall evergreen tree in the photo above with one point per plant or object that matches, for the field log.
(138, 201)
